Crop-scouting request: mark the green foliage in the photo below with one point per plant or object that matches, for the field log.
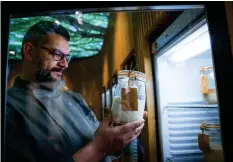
(86, 39)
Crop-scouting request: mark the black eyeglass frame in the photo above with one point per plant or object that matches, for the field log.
(57, 52)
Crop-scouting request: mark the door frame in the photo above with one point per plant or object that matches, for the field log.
(218, 28)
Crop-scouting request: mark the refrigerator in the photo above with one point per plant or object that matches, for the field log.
(180, 107)
(186, 93)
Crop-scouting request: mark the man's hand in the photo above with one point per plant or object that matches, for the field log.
(111, 139)
(145, 114)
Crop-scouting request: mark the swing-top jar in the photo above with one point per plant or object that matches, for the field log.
(129, 97)
(208, 87)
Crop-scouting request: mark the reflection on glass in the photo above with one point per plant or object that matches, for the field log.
(86, 38)
(54, 107)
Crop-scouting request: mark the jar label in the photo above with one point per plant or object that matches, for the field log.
(129, 99)
(204, 85)
(204, 142)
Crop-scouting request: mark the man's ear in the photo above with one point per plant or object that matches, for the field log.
(28, 50)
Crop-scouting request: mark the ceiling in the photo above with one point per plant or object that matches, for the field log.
(87, 35)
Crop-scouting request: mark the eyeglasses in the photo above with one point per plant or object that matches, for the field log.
(57, 54)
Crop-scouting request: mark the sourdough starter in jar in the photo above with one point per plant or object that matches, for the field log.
(129, 98)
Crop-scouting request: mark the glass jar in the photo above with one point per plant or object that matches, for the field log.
(129, 97)
(208, 88)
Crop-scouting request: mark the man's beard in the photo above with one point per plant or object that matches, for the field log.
(45, 75)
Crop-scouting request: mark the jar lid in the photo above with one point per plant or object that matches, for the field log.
(123, 73)
(133, 74)
(206, 68)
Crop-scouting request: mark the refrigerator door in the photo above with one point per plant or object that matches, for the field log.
(187, 102)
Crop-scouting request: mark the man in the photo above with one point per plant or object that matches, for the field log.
(46, 124)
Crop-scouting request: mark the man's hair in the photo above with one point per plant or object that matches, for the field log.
(36, 33)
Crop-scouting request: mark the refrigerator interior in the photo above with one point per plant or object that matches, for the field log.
(181, 107)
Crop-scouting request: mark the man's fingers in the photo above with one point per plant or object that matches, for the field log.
(130, 126)
(145, 115)
(139, 128)
(130, 135)
(133, 137)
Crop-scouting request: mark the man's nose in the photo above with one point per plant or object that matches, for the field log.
(63, 63)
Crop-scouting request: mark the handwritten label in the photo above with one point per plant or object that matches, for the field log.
(129, 98)
(204, 85)
(204, 142)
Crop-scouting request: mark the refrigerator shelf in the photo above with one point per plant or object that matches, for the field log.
(192, 105)
(182, 129)
(199, 158)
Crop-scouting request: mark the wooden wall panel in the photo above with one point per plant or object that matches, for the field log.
(145, 23)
